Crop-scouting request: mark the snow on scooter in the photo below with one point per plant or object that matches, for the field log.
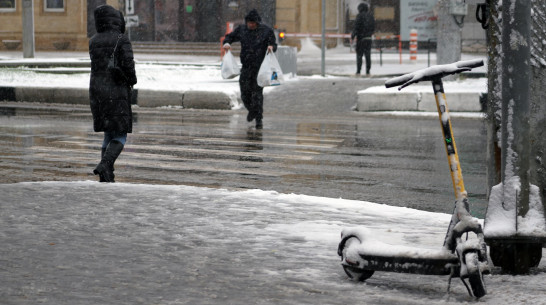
(464, 253)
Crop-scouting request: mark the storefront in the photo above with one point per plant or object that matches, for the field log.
(193, 20)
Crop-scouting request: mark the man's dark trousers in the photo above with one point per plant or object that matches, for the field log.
(364, 47)
(251, 93)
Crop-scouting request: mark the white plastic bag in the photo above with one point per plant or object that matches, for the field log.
(270, 73)
(230, 69)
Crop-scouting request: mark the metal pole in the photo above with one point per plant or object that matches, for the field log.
(494, 97)
(323, 45)
(515, 101)
(448, 47)
(428, 53)
(28, 29)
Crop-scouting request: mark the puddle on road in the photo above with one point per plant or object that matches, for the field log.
(386, 160)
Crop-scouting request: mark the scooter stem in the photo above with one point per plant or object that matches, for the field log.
(449, 140)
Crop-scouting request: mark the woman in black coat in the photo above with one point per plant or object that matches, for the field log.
(109, 95)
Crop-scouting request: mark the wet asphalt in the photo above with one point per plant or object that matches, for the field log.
(313, 143)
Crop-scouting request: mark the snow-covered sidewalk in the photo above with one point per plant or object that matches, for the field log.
(165, 79)
(91, 243)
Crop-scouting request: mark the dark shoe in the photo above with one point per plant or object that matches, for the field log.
(105, 169)
(259, 124)
(104, 172)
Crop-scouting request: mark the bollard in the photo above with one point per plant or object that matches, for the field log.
(413, 46)
(288, 59)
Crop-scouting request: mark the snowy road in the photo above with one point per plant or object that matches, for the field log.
(91, 243)
(336, 153)
(82, 242)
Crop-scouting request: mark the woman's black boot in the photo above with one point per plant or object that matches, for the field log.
(105, 169)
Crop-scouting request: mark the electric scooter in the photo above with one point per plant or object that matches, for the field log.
(464, 253)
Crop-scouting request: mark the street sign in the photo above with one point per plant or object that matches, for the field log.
(129, 7)
(131, 21)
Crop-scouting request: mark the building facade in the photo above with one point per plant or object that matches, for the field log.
(58, 24)
(193, 20)
(68, 24)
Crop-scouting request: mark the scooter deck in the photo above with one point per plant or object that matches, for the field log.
(366, 253)
(427, 266)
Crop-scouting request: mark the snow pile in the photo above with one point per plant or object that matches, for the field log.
(149, 75)
(502, 220)
(309, 49)
(534, 223)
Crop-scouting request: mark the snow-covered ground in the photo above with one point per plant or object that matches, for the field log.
(90, 243)
(183, 73)
(186, 73)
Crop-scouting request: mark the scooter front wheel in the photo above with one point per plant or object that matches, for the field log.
(475, 276)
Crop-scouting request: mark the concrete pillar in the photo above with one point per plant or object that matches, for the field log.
(28, 29)
(323, 40)
(449, 46)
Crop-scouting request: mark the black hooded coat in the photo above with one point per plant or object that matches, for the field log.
(364, 23)
(110, 102)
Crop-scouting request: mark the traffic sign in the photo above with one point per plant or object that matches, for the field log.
(131, 21)
(129, 7)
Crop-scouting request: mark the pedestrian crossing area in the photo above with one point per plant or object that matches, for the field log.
(353, 157)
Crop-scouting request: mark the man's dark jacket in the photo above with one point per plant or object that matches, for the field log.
(110, 102)
(254, 43)
(364, 25)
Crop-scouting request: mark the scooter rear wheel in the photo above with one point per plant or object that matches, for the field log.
(357, 274)
(351, 269)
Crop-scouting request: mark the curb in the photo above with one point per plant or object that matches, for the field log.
(140, 97)
(417, 101)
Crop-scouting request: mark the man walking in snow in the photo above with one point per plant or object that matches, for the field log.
(256, 39)
(363, 31)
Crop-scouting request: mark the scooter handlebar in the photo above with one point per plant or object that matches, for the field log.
(434, 72)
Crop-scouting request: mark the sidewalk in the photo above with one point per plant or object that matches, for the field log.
(85, 242)
(195, 82)
(163, 80)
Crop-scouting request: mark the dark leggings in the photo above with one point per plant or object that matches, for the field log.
(114, 135)
(251, 93)
(363, 48)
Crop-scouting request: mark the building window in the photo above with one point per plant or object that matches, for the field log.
(53, 5)
(7, 5)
